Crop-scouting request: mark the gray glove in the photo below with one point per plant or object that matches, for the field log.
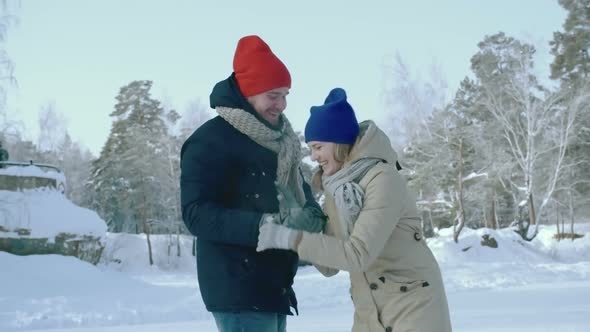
(307, 218)
(273, 236)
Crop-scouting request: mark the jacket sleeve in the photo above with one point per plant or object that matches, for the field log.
(385, 197)
(326, 271)
(310, 201)
(205, 171)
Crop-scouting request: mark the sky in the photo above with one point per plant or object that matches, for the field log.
(78, 54)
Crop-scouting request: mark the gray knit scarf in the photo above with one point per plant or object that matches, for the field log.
(284, 142)
(348, 194)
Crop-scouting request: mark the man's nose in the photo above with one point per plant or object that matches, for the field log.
(281, 104)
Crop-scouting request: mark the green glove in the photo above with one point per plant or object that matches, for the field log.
(307, 218)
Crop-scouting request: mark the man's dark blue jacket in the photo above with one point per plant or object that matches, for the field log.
(227, 183)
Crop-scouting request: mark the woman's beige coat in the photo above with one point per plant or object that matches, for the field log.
(396, 285)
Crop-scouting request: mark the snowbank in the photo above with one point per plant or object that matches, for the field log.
(46, 213)
(31, 170)
(469, 265)
(511, 247)
(129, 253)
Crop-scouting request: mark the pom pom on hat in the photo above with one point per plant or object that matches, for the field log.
(334, 121)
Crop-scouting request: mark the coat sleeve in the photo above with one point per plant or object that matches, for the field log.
(205, 170)
(385, 197)
(325, 271)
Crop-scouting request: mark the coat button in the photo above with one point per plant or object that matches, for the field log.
(253, 174)
(373, 286)
(256, 196)
(403, 289)
(388, 329)
(417, 236)
(283, 291)
(263, 174)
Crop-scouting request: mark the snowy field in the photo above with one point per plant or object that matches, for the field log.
(539, 286)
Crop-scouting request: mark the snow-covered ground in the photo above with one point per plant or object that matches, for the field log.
(539, 286)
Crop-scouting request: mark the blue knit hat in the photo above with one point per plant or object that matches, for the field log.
(332, 122)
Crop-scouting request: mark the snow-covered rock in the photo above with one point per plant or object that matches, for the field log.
(44, 221)
(31, 176)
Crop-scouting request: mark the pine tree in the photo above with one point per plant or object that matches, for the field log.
(571, 47)
(133, 179)
(571, 66)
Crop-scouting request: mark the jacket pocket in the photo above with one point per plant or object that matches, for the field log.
(403, 304)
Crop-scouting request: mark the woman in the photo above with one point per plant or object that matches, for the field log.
(373, 228)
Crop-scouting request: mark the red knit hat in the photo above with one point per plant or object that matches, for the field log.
(257, 69)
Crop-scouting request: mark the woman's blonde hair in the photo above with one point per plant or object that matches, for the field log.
(341, 152)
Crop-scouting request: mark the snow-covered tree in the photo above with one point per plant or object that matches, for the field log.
(134, 180)
(75, 161)
(194, 115)
(410, 99)
(7, 79)
(52, 125)
(524, 111)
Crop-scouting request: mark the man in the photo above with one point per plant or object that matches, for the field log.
(231, 168)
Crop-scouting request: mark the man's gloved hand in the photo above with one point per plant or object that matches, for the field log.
(308, 218)
(269, 218)
(273, 236)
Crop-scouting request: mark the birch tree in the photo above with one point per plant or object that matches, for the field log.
(524, 111)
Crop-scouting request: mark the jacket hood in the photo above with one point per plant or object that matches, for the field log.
(226, 93)
(372, 143)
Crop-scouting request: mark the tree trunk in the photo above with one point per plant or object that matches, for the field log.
(430, 219)
(489, 222)
(149, 242)
(427, 228)
(146, 228)
(557, 222)
(562, 222)
(532, 215)
(572, 213)
(460, 220)
(494, 217)
(493, 214)
(178, 241)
